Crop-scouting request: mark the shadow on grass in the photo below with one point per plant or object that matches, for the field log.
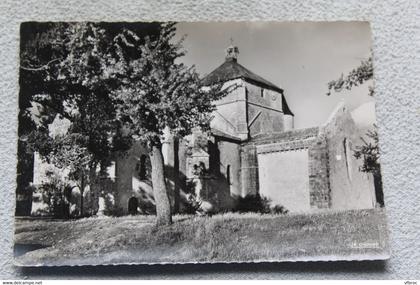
(21, 249)
(218, 270)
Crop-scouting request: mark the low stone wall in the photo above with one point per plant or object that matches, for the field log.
(315, 143)
(293, 135)
(249, 170)
(351, 188)
(319, 181)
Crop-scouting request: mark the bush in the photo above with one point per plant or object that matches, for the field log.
(253, 203)
(279, 209)
(111, 208)
(147, 206)
(56, 194)
(192, 205)
(257, 203)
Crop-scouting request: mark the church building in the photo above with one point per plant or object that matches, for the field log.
(252, 148)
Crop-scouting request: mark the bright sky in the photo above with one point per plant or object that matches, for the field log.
(300, 57)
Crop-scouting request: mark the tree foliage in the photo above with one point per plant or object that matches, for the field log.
(369, 152)
(64, 75)
(158, 93)
(76, 89)
(56, 194)
(356, 77)
(113, 86)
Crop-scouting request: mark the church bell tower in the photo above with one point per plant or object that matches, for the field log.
(232, 52)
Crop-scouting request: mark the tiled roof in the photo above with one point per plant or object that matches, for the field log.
(292, 135)
(218, 133)
(231, 69)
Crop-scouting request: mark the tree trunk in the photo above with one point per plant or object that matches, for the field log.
(94, 190)
(176, 176)
(377, 180)
(82, 189)
(163, 206)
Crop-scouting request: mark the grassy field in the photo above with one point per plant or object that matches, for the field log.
(220, 238)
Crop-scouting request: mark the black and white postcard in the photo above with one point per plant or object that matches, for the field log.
(197, 142)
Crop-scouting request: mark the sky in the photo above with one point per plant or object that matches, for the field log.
(299, 57)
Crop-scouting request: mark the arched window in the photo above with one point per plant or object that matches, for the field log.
(133, 204)
(228, 174)
(141, 167)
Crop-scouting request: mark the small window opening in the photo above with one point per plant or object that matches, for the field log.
(133, 204)
(228, 174)
(142, 171)
(347, 157)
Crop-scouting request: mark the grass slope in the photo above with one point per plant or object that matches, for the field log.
(220, 238)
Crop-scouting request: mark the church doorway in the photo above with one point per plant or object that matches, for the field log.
(133, 204)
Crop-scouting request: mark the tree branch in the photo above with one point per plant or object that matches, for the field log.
(354, 78)
(40, 67)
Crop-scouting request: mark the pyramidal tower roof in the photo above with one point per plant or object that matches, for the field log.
(231, 69)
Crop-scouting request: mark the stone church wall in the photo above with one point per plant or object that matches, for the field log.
(282, 174)
(249, 170)
(306, 169)
(289, 123)
(127, 178)
(284, 179)
(133, 180)
(299, 159)
(350, 188)
(264, 110)
(319, 183)
(230, 116)
(316, 165)
(230, 166)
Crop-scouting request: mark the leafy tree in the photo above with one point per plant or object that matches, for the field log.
(356, 77)
(67, 152)
(35, 51)
(369, 151)
(62, 73)
(156, 94)
(113, 86)
(56, 194)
